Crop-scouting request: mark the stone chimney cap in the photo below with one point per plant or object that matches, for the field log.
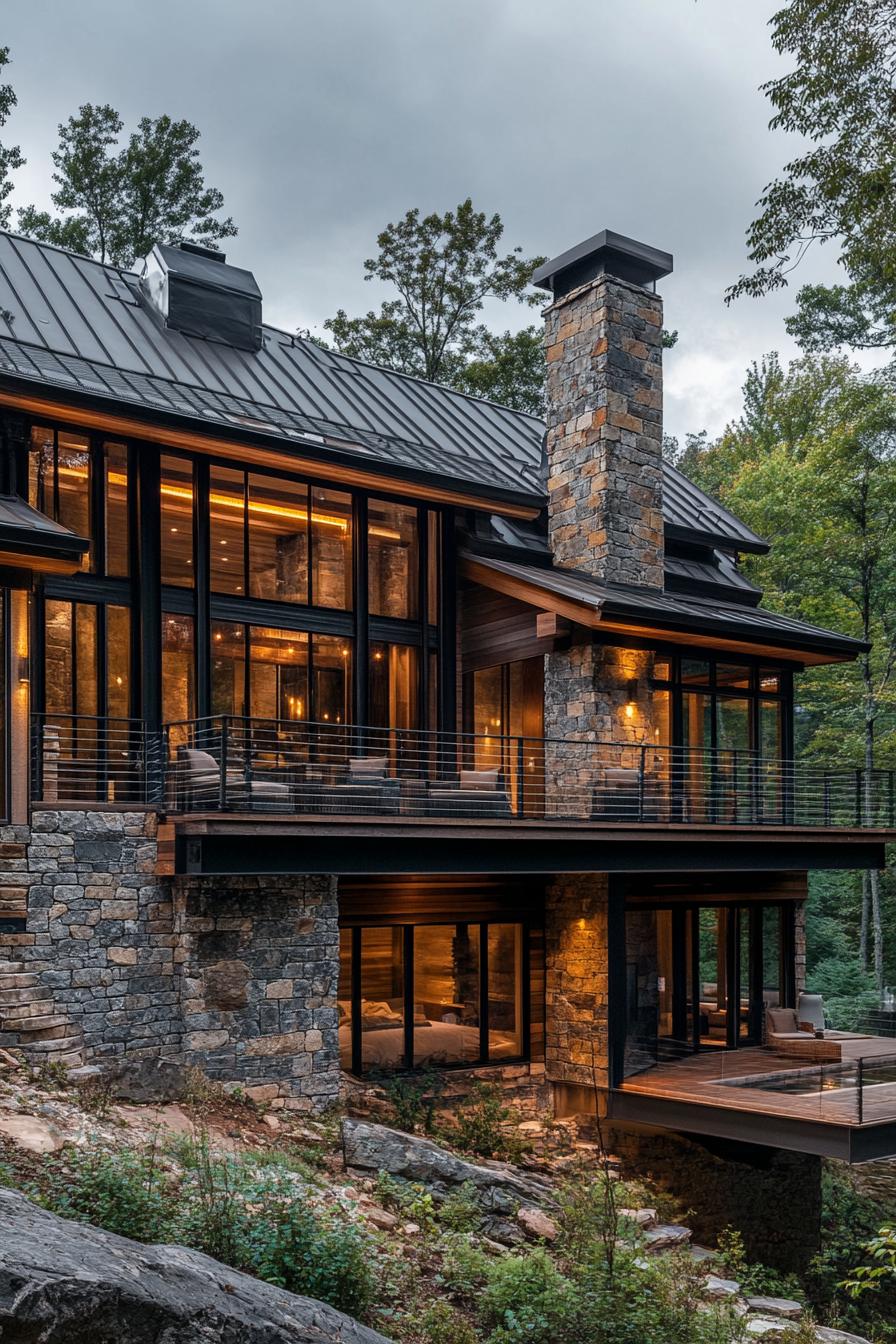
(607, 253)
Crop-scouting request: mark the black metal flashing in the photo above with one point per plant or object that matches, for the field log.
(607, 253)
(28, 533)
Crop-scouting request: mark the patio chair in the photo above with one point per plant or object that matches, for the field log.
(619, 796)
(471, 793)
(360, 785)
(198, 783)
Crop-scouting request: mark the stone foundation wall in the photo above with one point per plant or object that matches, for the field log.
(773, 1198)
(260, 973)
(103, 961)
(576, 966)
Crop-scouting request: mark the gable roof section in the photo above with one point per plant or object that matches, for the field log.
(77, 327)
(618, 607)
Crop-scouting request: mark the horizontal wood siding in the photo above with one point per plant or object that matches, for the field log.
(497, 629)
(434, 900)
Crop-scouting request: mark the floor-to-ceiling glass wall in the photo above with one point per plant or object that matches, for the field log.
(699, 976)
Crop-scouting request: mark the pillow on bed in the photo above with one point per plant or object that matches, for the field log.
(345, 1010)
(380, 1010)
(379, 1024)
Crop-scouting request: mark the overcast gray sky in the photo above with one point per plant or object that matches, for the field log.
(322, 120)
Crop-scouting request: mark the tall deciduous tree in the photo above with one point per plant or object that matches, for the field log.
(10, 155)
(443, 269)
(116, 200)
(812, 466)
(840, 96)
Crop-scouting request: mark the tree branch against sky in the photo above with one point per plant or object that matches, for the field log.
(10, 155)
(114, 201)
(442, 270)
(840, 96)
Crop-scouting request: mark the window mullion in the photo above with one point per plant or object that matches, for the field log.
(408, 958)
(483, 993)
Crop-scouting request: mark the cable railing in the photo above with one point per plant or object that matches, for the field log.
(858, 1087)
(231, 763)
(84, 758)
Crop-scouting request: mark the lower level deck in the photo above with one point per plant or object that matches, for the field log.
(844, 1108)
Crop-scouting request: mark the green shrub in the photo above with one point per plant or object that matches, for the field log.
(214, 1217)
(756, 1280)
(460, 1211)
(438, 1324)
(659, 1301)
(413, 1098)
(305, 1250)
(123, 1192)
(483, 1127)
(527, 1300)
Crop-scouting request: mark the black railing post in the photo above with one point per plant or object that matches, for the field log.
(222, 779)
(642, 763)
(860, 1079)
(37, 759)
(163, 767)
(520, 775)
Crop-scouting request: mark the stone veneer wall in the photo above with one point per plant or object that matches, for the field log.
(576, 966)
(261, 969)
(603, 344)
(237, 975)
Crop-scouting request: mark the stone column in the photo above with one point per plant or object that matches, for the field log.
(576, 965)
(603, 344)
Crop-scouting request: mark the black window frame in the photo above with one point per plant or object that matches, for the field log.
(483, 1060)
(715, 692)
(150, 600)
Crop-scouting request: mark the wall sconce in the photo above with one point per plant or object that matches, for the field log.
(631, 697)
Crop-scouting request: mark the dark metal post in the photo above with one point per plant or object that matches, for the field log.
(642, 760)
(860, 1079)
(520, 776)
(222, 779)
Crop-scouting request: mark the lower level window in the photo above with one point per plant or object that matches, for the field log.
(431, 995)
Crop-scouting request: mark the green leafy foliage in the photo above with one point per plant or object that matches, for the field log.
(10, 155)
(838, 97)
(413, 1098)
(811, 466)
(881, 1251)
(122, 1192)
(114, 201)
(485, 1125)
(755, 1280)
(441, 270)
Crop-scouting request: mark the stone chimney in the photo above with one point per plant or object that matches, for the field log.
(603, 339)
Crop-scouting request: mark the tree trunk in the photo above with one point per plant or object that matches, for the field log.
(863, 928)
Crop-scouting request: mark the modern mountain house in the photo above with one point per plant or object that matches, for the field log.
(354, 725)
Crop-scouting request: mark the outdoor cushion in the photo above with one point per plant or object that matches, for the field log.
(484, 780)
(368, 766)
(810, 1010)
(781, 1020)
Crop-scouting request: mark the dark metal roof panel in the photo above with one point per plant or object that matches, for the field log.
(89, 320)
(721, 573)
(699, 614)
(82, 325)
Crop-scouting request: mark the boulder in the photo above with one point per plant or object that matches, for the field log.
(31, 1133)
(776, 1306)
(664, 1236)
(717, 1287)
(63, 1283)
(500, 1188)
(827, 1336)
(537, 1225)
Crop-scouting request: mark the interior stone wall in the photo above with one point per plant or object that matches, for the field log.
(576, 967)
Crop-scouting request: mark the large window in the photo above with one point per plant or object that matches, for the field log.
(82, 482)
(260, 593)
(504, 712)
(425, 995)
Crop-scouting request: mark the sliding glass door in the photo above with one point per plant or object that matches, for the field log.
(700, 977)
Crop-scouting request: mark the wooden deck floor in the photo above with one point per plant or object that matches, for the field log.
(722, 1079)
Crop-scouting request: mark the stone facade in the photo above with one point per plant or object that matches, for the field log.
(576, 967)
(603, 345)
(261, 966)
(104, 960)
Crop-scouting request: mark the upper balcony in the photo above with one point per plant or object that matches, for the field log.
(405, 798)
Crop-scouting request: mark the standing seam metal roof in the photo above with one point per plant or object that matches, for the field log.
(74, 323)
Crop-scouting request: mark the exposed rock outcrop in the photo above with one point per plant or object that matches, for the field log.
(500, 1188)
(63, 1283)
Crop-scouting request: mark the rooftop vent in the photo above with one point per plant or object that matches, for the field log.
(193, 290)
(607, 253)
